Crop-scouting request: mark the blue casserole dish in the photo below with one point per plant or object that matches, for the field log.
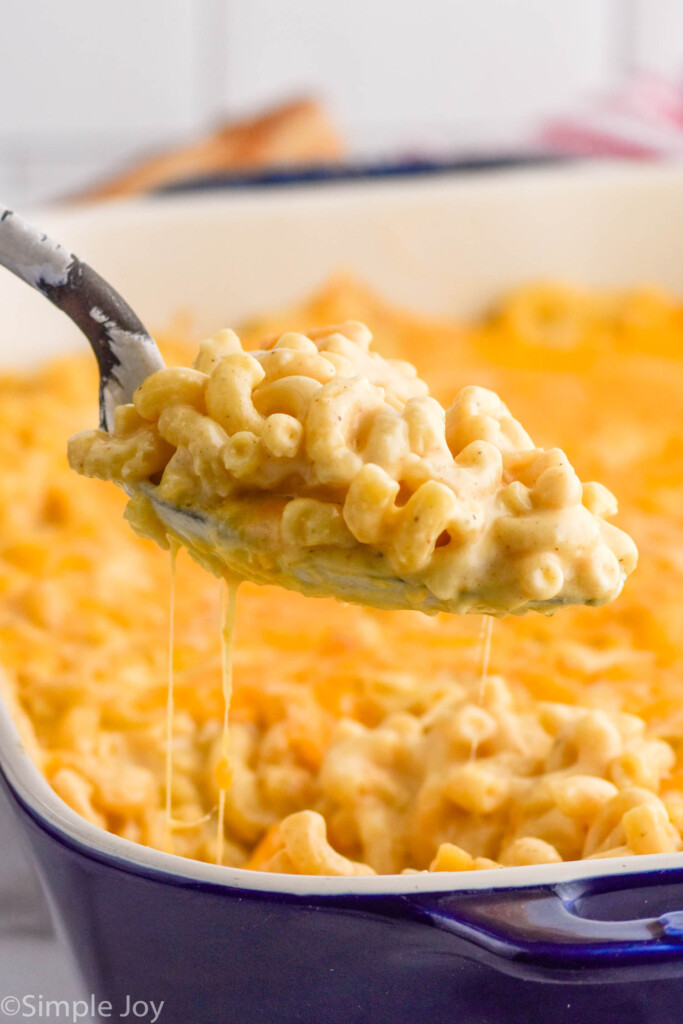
(578, 942)
(562, 943)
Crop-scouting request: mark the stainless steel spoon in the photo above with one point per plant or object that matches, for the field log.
(125, 352)
(126, 355)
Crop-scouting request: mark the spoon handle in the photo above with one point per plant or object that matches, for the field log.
(124, 349)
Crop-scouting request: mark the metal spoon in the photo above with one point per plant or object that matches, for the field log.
(126, 355)
(125, 352)
(243, 546)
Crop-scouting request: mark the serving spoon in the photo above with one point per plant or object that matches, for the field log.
(246, 546)
(125, 351)
(126, 355)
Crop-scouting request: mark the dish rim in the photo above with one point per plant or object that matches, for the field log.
(247, 197)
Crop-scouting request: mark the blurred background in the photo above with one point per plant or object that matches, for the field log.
(92, 88)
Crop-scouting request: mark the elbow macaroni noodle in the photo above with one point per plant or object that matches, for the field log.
(361, 741)
(545, 785)
(323, 444)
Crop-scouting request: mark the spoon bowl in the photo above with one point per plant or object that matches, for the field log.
(239, 548)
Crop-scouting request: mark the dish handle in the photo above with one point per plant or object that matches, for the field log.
(541, 927)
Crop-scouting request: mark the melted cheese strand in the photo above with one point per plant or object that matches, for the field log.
(223, 769)
(484, 651)
(168, 820)
(486, 634)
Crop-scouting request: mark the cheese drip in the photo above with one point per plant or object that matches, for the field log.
(223, 770)
(168, 809)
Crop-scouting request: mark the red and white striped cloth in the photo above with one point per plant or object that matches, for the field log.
(643, 119)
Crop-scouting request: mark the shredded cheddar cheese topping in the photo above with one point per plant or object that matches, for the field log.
(361, 740)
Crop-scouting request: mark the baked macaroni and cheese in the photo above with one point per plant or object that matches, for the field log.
(362, 740)
(320, 465)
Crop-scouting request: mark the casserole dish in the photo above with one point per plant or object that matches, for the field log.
(575, 941)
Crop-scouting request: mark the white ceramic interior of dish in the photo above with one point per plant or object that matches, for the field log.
(445, 245)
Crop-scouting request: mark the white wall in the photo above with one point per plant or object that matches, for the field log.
(394, 73)
(88, 83)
